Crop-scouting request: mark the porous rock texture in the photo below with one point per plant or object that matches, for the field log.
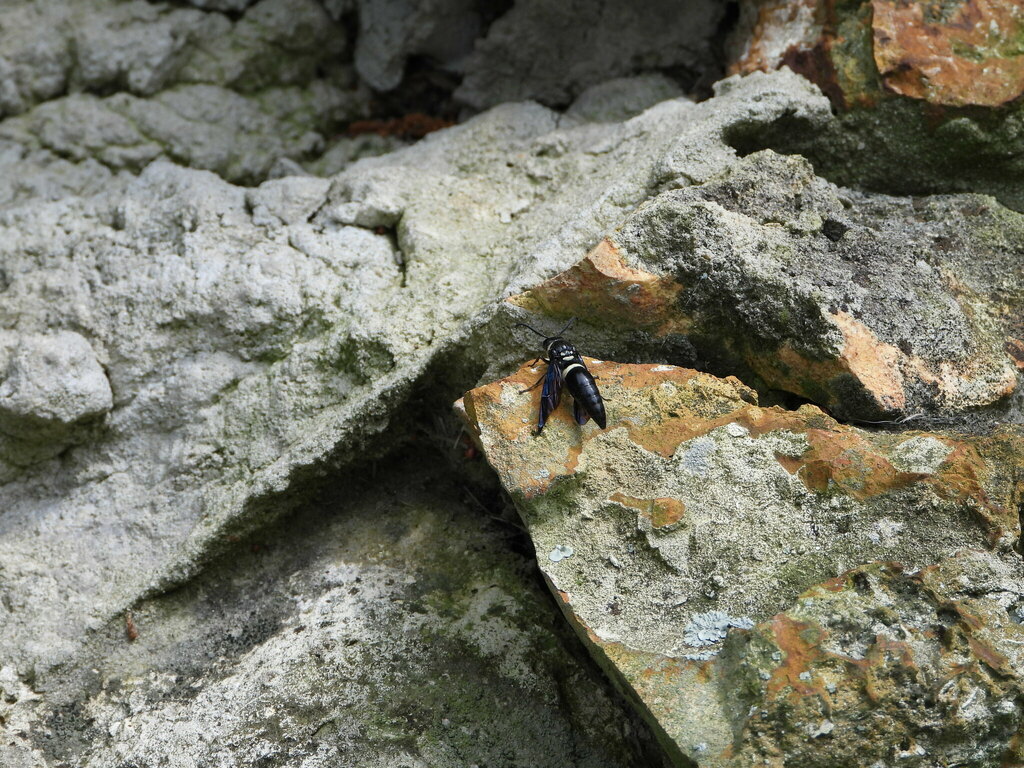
(927, 94)
(221, 346)
(237, 526)
(386, 623)
(870, 305)
(703, 546)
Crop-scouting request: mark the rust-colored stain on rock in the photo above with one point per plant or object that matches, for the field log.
(865, 642)
(602, 288)
(663, 512)
(1015, 349)
(949, 53)
(848, 461)
(663, 406)
(778, 27)
(659, 406)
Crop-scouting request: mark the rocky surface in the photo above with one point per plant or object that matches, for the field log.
(702, 545)
(253, 338)
(388, 622)
(540, 49)
(873, 306)
(227, 536)
(256, 90)
(927, 94)
(105, 87)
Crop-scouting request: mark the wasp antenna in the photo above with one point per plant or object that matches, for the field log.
(566, 328)
(524, 325)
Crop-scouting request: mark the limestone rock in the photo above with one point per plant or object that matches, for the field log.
(958, 54)
(386, 623)
(52, 392)
(390, 31)
(551, 50)
(927, 94)
(683, 539)
(51, 381)
(102, 87)
(253, 336)
(886, 665)
(622, 98)
(869, 305)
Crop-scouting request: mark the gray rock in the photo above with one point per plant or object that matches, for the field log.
(388, 622)
(53, 390)
(840, 296)
(551, 50)
(51, 382)
(390, 31)
(232, 96)
(622, 98)
(250, 336)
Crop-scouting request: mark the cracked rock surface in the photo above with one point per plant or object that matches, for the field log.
(387, 622)
(255, 338)
(702, 546)
(239, 525)
(870, 305)
(926, 94)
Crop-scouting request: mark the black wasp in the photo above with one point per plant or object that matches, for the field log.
(566, 366)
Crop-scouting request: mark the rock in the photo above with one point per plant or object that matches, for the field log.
(965, 57)
(124, 84)
(552, 51)
(622, 98)
(926, 94)
(390, 31)
(886, 665)
(388, 622)
(869, 305)
(53, 384)
(961, 55)
(253, 337)
(697, 523)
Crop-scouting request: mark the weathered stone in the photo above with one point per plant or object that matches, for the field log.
(126, 83)
(622, 98)
(51, 382)
(390, 31)
(926, 92)
(885, 665)
(543, 50)
(252, 336)
(960, 53)
(867, 305)
(769, 31)
(387, 623)
(698, 514)
(957, 54)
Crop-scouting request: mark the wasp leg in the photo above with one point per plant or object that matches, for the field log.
(524, 391)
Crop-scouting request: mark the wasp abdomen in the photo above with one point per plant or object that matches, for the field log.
(583, 388)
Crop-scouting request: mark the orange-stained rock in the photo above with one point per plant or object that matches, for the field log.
(681, 542)
(658, 412)
(602, 289)
(865, 307)
(956, 54)
(944, 52)
(884, 664)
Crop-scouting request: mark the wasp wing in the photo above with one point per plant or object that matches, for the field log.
(579, 413)
(551, 393)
